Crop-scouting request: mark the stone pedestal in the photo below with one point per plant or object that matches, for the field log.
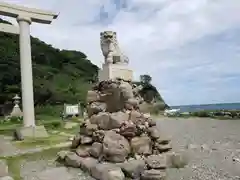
(30, 132)
(113, 71)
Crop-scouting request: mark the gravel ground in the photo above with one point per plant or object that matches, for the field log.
(50, 170)
(211, 146)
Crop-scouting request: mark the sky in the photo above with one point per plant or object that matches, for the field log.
(191, 48)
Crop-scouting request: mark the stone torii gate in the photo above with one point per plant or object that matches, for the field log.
(25, 16)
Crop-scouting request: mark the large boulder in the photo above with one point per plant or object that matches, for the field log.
(162, 147)
(82, 151)
(133, 168)
(128, 130)
(88, 129)
(157, 161)
(76, 141)
(86, 139)
(95, 108)
(92, 96)
(88, 163)
(107, 172)
(136, 117)
(126, 90)
(141, 145)
(132, 103)
(154, 132)
(98, 136)
(153, 175)
(117, 119)
(115, 147)
(73, 160)
(96, 149)
(113, 174)
(102, 120)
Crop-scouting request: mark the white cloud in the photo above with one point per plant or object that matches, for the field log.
(152, 33)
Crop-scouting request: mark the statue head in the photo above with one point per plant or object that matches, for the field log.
(109, 36)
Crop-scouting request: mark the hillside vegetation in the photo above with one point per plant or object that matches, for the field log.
(58, 75)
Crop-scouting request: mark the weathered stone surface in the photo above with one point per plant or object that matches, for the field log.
(86, 140)
(97, 170)
(96, 149)
(62, 154)
(163, 139)
(115, 147)
(102, 120)
(95, 108)
(30, 132)
(128, 130)
(157, 161)
(88, 129)
(126, 89)
(131, 104)
(112, 97)
(154, 132)
(82, 151)
(107, 172)
(73, 160)
(141, 145)
(117, 119)
(98, 136)
(151, 122)
(76, 141)
(3, 168)
(88, 163)
(136, 117)
(153, 175)
(92, 96)
(132, 168)
(113, 174)
(163, 147)
(177, 160)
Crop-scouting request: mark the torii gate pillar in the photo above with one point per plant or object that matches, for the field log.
(25, 16)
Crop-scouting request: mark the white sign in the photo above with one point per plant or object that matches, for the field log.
(72, 109)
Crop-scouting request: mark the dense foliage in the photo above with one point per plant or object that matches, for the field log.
(149, 92)
(59, 76)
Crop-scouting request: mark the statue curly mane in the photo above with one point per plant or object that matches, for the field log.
(110, 48)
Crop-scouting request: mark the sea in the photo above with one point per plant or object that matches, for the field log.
(211, 107)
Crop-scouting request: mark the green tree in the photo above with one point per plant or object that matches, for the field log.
(146, 79)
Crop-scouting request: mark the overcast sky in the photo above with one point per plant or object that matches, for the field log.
(191, 48)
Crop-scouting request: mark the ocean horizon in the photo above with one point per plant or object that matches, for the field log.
(211, 107)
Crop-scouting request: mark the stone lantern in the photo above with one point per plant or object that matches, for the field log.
(16, 109)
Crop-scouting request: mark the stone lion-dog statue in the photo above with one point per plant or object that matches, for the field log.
(110, 48)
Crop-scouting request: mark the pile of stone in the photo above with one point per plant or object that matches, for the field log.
(117, 141)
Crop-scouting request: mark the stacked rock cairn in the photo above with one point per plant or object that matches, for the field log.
(116, 141)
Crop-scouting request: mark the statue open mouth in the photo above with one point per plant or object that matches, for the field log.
(110, 48)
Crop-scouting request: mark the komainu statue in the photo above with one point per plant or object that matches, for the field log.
(110, 48)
